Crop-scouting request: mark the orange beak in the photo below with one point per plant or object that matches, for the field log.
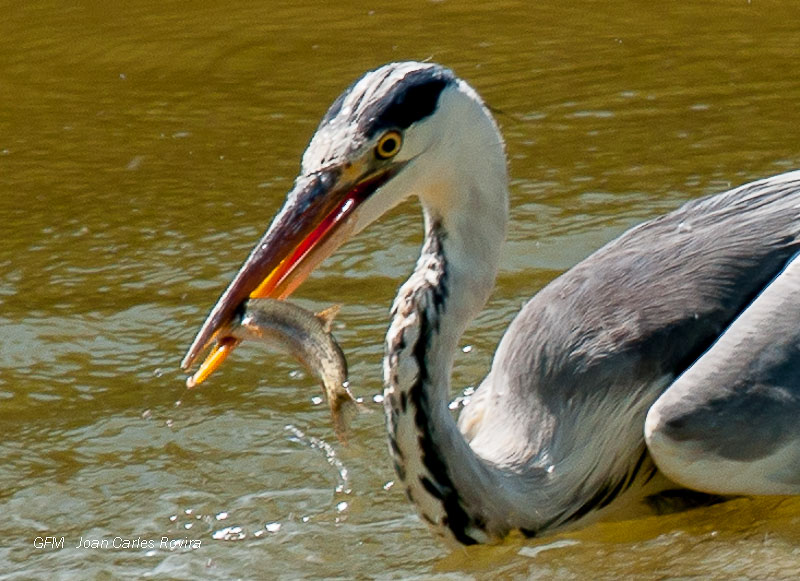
(317, 218)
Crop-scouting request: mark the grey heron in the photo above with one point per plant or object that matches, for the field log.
(667, 359)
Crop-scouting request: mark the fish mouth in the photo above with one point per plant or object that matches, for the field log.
(319, 215)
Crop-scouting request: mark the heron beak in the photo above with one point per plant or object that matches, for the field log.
(317, 218)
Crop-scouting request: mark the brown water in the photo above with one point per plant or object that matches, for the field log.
(144, 148)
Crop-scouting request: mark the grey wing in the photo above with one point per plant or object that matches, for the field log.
(593, 350)
(730, 424)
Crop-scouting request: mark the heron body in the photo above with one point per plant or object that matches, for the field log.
(670, 357)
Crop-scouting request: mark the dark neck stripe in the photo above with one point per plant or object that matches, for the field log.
(439, 484)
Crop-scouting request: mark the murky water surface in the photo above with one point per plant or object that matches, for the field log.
(145, 145)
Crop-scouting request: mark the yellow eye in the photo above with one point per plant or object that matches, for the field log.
(388, 145)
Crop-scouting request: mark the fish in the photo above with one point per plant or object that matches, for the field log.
(288, 328)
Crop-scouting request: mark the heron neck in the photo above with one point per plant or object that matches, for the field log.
(469, 494)
(461, 496)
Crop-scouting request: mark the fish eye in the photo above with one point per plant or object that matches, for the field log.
(389, 144)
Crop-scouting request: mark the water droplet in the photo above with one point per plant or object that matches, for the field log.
(229, 534)
(377, 398)
(342, 506)
(466, 348)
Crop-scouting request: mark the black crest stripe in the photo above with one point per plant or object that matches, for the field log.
(408, 101)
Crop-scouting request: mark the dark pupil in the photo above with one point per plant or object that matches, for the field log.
(389, 145)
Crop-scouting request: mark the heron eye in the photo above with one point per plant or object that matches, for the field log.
(388, 145)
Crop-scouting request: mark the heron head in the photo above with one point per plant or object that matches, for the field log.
(384, 138)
